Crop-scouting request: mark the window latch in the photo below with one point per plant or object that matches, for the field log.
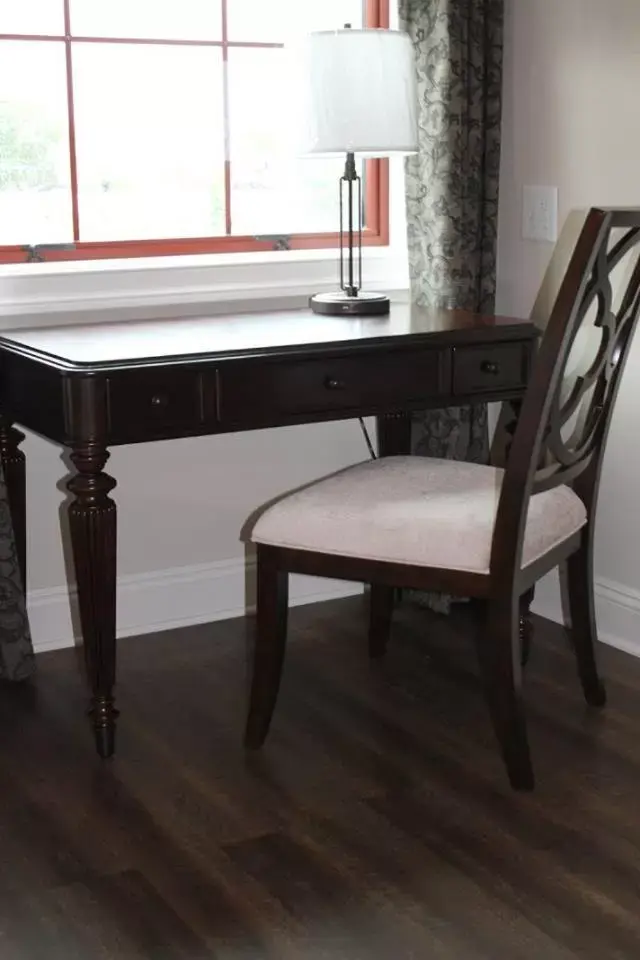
(279, 241)
(36, 253)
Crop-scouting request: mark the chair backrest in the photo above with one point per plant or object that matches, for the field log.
(565, 416)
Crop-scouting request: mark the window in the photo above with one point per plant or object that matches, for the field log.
(136, 128)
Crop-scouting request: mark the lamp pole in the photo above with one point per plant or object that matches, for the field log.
(350, 176)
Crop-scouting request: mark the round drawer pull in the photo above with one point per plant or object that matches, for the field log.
(332, 384)
(489, 366)
(159, 400)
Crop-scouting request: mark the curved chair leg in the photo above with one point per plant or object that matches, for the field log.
(583, 622)
(381, 603)
(270, 641)
(499, 656)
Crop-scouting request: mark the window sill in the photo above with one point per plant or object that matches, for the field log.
(44, 293)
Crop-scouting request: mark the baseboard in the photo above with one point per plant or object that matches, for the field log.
(166, 599)
(183, 596)
(617, 611)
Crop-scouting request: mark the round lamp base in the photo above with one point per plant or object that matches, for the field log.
(340, 304)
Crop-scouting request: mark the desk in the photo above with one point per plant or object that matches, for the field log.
(89, 387)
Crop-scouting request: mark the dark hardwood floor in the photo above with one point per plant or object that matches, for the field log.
(376, 823)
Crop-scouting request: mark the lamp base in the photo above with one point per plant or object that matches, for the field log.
(341, 304)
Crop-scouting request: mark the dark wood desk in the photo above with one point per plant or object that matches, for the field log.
(92, 386)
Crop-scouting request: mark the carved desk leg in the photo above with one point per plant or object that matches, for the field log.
(92, 520)
(13, 468)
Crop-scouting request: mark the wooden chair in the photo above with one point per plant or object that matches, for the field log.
(472, 530)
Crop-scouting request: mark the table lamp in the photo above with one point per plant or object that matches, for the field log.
(359, 96)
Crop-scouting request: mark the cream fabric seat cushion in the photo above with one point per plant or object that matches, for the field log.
(414, 510)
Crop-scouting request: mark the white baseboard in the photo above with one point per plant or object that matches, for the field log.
(172, 598)
(617, 611)
(183, 596)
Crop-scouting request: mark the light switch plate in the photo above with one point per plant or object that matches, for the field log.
(540, 213)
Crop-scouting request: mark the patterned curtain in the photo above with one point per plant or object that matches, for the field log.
(452, 189)
(16, 654)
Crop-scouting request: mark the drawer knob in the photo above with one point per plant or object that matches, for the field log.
(332, 384)
(159, 400)
(490, 366)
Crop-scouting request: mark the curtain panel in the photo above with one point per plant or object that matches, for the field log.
(452, 189)
(16, 653)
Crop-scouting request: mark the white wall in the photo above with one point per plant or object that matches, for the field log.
(183, 502)
(181, 506)
(572, 75)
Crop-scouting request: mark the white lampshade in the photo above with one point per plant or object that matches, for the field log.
(358, 93)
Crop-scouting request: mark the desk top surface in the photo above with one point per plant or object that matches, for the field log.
(187, 339)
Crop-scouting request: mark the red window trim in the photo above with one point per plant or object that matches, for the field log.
(375, 233)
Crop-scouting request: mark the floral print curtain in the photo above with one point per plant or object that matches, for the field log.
(452, 188)
(16, 653)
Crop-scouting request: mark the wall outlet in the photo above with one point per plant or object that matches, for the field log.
(540, 213)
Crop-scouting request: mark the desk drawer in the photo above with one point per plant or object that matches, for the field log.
(265, 392)
(499, 367)
(153, 403)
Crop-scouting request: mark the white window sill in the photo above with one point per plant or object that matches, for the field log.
(35, 294)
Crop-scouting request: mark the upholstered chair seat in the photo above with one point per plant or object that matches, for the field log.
(415, 510)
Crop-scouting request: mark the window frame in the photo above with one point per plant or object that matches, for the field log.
(376, 188)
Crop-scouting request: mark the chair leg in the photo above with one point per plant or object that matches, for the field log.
(499, 656)
(583, 623)
(270, 641)
(381, 603)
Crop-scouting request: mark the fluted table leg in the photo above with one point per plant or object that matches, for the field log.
(92, 520)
